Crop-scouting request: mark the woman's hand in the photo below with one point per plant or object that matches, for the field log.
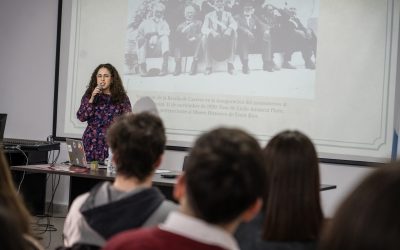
(95, 92)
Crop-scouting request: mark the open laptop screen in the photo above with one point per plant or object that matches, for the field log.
(184, 163)
(76, 152)
(3, 119)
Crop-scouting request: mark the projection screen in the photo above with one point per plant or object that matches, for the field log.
(326, 68)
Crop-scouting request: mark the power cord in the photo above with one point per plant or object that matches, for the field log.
(39, 227)
(54, 159)
(22, 180)
(54, 190)
(18, 147)
(42, 228)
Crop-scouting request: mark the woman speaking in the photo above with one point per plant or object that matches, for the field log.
(105, 98)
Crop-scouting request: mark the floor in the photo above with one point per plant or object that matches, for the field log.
(49, 228)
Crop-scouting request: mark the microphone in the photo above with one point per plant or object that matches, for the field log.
(96, 97)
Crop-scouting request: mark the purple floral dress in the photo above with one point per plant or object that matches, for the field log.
(99, 116)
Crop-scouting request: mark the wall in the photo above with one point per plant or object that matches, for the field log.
(27, 63)
(27, 56)
(27, 60)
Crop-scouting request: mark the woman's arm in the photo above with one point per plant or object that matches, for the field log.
(126, 105)
(86, 110)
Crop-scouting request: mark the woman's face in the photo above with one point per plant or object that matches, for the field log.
(104, 79)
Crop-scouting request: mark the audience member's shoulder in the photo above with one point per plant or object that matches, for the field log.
(98, 189)
(249, 237)
(166, 207)
(33, 243)
(249, 233)
(282, 245)
(144, 238)
(169, 205)
(161, 213)
(77, 203)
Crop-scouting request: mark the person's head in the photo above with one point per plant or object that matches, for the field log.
(293, 209)
(137, 142)
(292, 11)
(189, 12)
(219, 5)
(248, 9)
(108, 78)
(9, 198)
(224, 177)
(367, 217)
(269, 10)
(11, 235)
(158, 10)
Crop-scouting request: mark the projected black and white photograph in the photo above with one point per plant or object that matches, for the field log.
(258, 38)
(261, 65)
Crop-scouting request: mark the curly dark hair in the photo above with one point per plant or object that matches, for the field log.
(118, 93)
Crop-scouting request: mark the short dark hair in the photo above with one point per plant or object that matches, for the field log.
(292, 199)
(138, 140)
(224, 175)
(368, 219)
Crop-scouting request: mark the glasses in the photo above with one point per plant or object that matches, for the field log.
(101, 76)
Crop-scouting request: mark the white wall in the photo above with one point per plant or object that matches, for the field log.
(27, 54)
(27, 61)
(28, 32)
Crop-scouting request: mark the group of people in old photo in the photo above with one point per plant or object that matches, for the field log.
(217, 31)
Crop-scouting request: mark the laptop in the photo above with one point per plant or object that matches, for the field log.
(76, 153)
(3, 119)
(184, 163)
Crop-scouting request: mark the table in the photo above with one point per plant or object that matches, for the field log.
(83, 179)
(33, 185)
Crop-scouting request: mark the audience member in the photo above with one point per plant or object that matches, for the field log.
(11, 236)
(12, 204)
(367, 218)
(292, 215)
(222, 186)
(137, 142)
